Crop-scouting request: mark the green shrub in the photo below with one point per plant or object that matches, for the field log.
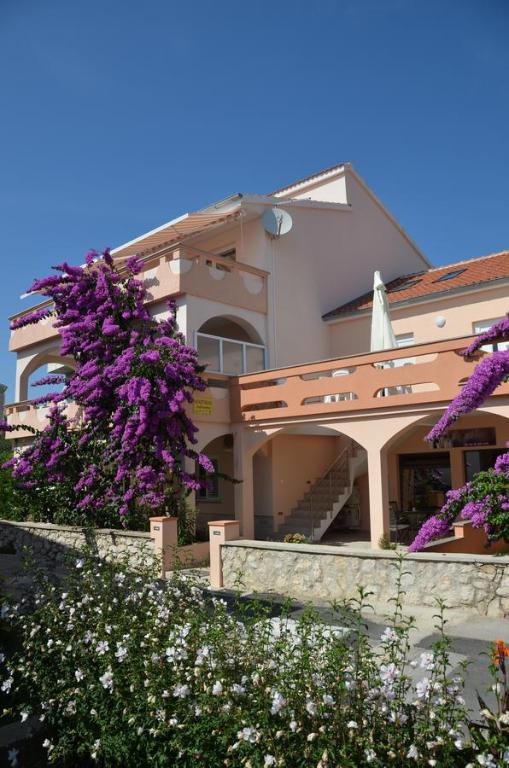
(129, 671)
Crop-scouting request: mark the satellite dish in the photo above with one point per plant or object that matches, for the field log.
(276, 222)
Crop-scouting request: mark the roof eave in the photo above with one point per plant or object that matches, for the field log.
(428, 298)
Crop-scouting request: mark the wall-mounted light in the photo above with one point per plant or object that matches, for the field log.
(440, 321)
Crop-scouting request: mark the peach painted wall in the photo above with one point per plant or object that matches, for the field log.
(295, 460)
(461, 312)
(328, 257)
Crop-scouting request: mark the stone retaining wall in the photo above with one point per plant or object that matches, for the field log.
(53, 543)
(475, 583)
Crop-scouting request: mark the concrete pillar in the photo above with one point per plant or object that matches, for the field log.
(457, 468)
(379, 516)
(243, 491)
(163, 531)
(219, 532)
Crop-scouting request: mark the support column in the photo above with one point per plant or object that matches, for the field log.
(379, 515)
(219, 532)
(163, 531)
(243, 490)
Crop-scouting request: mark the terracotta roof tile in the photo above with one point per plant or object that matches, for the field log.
(440, 280)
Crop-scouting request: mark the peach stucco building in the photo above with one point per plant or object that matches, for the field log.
(326, 437)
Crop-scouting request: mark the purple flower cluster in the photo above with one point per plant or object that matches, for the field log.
(499, 331)
(133, 381)
(488, 374)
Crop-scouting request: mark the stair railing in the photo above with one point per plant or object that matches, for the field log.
(340, 462)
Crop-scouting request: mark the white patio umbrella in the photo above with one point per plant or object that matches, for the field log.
(382, 335)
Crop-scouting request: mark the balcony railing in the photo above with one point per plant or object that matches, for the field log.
(367, 382)
(180, 271)
(228, 356)
(25, 413)
(211, 405)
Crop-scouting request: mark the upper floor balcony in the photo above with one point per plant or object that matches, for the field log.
(26, 414)
(211, 405)
(364, 384)
(177, 272)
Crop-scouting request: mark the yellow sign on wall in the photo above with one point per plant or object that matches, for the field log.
(202, 406)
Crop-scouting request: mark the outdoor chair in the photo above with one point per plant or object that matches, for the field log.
(398, 525)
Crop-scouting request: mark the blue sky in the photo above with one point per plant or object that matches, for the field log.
(117, 115)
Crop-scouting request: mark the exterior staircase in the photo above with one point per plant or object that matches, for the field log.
(325, 499)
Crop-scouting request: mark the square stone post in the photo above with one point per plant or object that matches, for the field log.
(219, 532)
(243, 491)
(379, 515)
(163, 531)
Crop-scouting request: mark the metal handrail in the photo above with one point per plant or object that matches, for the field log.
(343, 461)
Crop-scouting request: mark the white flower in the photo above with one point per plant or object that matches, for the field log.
(80, 563)
(95, 749)
(388, 673)
(486, 760)
(427, 661)
(459, 744)
(2, 655)
(388, 635)
(422, 688)
(79, 675)
(217, 688)
(311, 736)
(101, 647)
(269, 760)
(352, 724)
(278, 702)
(293, 726)
(121, 652)
(7, 684)
(181, 691)
(107, 680)
(311, 708)
(370, 755)
(328, 700)
(24, 716)
(238, 689)
(47, 744)
(413, 753)
(250, 735)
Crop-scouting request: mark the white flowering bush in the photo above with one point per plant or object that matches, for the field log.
(125, 670)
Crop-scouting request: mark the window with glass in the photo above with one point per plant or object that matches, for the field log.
(229, 356)
(210, 483)
(480, 461)
(484, 325)
(425, 479)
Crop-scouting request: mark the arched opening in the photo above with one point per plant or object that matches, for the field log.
(216, 500)
(230, 345)
(420, 474)
(312, 481)
(42, 365)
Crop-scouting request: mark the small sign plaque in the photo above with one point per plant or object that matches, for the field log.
(216, 533)
(203, 406)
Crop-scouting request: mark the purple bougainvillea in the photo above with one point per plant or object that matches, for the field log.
(488, 374)
(497, 332)
(124, 455)
(485, 500)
